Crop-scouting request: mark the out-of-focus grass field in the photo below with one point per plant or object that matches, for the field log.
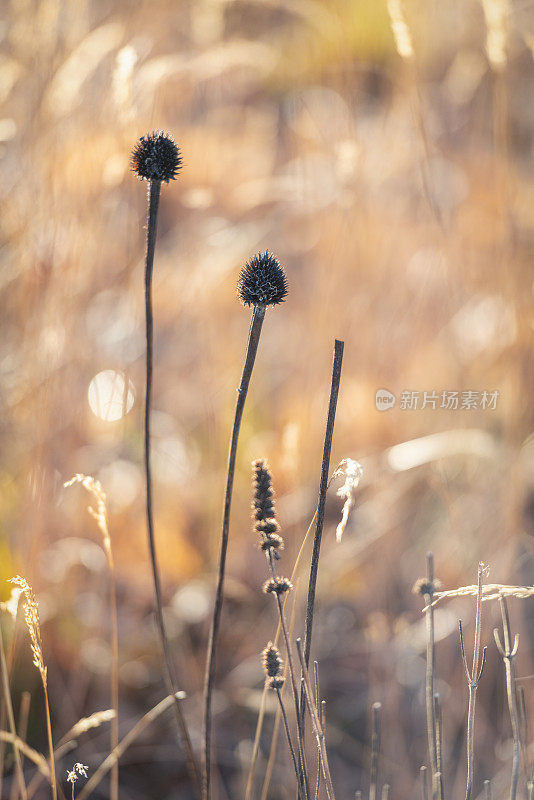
(399, 194)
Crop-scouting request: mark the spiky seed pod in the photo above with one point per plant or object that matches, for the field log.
(277, 586)
(156, 157)
(262, 503)
(422, 586)
(262, 281)
(272, 540)
(275, 683)
(266, 526)
(272, 661)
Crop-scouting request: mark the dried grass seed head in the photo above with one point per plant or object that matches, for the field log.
(271, 541)
(31, 617)
(262, 281)
(156, 157)
(277, 586)
(263, 502)
(272, 661)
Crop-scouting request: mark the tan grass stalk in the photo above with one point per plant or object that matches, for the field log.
(473, 678)
(22, 731)
(316, 723)
(31, 617)
(508, 651)
(100, 515)
(11, 719)
(126, 741)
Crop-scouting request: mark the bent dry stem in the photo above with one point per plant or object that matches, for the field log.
(252, 348)
(154, 187)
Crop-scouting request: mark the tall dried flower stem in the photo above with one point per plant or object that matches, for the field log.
(473, 679)
(430, 673)
(375, 750)
(100, 516)
(288, 735)
(258, 316)
(316, 723)
(261, 715)
(314, 568)
(11, 719)
(303, 772)
(508, 652)
(154, 187)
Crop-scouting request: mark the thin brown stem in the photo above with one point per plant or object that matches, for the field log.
(252, 348)
(123, 745)
(22, 731)
(154, 187)
(50, 742)
(321, 505)
(308, 693)
(288, 735)
(439, 769)
(508, 651)
(375, 749)
(430, 672)
(304, 780)
(114, 679)
(11, 719)
(473, 679)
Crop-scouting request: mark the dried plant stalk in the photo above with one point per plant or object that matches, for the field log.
(473, 678)
(31, 617)
(508, 651)
(100, 515)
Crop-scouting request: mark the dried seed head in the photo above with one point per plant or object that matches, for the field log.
(275, 683)
(262, 503)
(262, 281)
(271, 540)
(156, 157)
(277, 586)
(422, 586)
(272, 661)
(31, 617)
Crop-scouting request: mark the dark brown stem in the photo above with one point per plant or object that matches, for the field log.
(288, 735)
(316, 723)
(252, 348)
(304, 787)
(154, 187)
(323, 486)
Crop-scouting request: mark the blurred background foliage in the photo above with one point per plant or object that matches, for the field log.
(384, 153)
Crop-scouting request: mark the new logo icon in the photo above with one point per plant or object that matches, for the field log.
(384, 399)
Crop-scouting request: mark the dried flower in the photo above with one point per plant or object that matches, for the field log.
(353, 472)
(272, 661)
(262, 281)
(156, 157)
(78, 769)
(277, 586)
